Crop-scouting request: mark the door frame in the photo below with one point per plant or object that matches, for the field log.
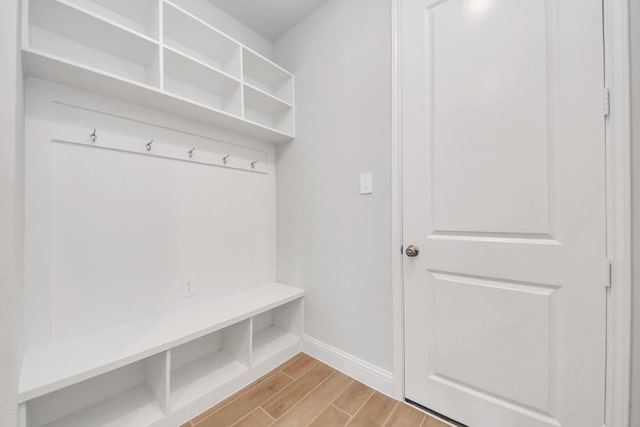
(619, 239)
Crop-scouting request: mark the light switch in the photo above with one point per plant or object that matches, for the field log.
(366, 183)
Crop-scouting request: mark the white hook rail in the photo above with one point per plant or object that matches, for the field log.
(167, 150)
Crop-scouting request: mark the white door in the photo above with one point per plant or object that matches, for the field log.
(504, 196)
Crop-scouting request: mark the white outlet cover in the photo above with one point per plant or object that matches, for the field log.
(188, 289)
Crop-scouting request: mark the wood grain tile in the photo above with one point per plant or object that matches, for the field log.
(291, 394)
(299, 366)
(375, 411)
(256, 418)
(233, 397)
(331, 417)
(432, 422)
(240, 407)
(353, 398)
(315, 402)
(405, 416)
(310, 393)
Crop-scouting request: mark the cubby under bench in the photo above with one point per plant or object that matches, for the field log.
(164, 370)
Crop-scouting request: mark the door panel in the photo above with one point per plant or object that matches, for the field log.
(496, 336)
(503, 47)
(504, 193)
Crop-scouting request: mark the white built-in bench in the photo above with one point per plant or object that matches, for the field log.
(162, 370)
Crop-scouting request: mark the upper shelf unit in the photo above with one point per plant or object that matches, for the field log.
(156, 54)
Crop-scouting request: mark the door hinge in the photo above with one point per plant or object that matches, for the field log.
(606, 102)
(608, 272)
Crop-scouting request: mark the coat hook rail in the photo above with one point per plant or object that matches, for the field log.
(168, 150)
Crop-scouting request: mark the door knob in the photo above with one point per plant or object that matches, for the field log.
(412, 251)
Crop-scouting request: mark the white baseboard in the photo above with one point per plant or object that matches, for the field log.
(363, 371)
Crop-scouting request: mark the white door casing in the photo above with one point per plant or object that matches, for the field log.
(504, 194)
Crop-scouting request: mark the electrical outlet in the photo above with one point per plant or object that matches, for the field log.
(188, 290)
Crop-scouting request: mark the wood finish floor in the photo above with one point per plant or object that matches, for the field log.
(305, 392)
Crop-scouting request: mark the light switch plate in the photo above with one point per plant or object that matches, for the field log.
(366, 183)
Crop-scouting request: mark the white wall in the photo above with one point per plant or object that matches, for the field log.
(11, 212)
(333, 241)
(113, 234)
(229, 25)
(635, 111)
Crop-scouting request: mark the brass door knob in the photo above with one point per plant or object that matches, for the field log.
(412, 251)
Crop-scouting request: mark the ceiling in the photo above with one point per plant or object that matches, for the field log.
(269, 18)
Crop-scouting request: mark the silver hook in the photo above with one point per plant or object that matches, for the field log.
(253, 164)
(225, 159)
(191, 152)
(93, 136)
(149, 145)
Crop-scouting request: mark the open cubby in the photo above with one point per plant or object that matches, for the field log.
(161, 370)
(200, 83)
(208, 363)
(275, 331)
(157, 54)
(139, 15)
(267, 76)
(130, 396)
(266, 110)
(189, 35)
(59, 28)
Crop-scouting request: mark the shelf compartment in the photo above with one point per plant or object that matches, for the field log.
(267, 76)
(276, 331)
(208, 363)
(61, 29)
(265, 109)
(188, 34)
(122, 398)
(42, 65)
(141, 16)
(196, 81)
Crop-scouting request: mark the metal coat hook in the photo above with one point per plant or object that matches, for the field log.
(93, 136)
(253, 164)
(191, 152)
(225, 159)
(149, 145)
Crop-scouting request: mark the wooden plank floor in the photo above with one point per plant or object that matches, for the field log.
(305, 392)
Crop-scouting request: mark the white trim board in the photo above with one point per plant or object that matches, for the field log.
(397, 272)
(365, 372)
(618, 137)
(167, 150)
